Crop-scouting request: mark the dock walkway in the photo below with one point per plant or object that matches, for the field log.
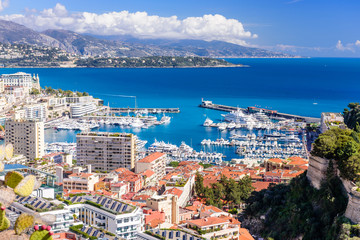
(270, 113)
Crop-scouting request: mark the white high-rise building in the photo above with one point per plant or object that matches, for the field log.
(35, 112)
(27, 137)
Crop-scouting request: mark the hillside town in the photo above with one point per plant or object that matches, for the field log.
(107, 186)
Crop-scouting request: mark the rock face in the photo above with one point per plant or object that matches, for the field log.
(317, 173)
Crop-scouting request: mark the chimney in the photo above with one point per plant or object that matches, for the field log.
(88, 168)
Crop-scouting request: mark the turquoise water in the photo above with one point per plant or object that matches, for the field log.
(299, 86)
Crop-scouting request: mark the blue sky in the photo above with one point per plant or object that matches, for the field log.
(303, 27)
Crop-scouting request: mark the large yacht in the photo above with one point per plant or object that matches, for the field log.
(208, 122)
(239, 117)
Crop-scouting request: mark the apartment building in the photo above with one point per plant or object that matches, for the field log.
(106, 151)
(216, 227)
(27, 137)
(80, 181)
(167, 204)
(155, 162)
(35, 112)
(114, 216)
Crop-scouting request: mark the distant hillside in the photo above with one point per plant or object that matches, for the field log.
(120, 46)
(207, 49)
(11, 32)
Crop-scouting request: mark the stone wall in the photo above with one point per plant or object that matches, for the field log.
(316, 172)
(353, 207)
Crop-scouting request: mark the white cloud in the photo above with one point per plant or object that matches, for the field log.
(3, 4)
(340, 46)
(138, 24)
(348, 47)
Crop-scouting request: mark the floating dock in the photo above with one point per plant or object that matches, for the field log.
(270, 113)
(149, 110)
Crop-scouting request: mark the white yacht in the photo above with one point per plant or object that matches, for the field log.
(165, 120)
(137, 123)
(222, 126)
(208, 122)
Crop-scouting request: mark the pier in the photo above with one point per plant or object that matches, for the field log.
(149, 110)
(271, 113)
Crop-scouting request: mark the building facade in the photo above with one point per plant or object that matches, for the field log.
(167, 204)
(80, 181)
(35, 112)
(155, 162)
(81, 109)
(27, 137)
(21, 79)
(106, 151)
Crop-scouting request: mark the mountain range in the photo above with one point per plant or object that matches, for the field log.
(122, 46)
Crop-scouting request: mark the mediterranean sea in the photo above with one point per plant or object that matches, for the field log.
(303, 86)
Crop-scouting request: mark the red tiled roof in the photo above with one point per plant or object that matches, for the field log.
(82, 175)
(244, 234)
(208, 221)
(260, 186)
(148, 173)
(275, 160)
(174, 191)
(152, 157)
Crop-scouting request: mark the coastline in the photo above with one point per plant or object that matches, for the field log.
(218, 66)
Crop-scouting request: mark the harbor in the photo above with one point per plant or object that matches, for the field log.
(271, 113)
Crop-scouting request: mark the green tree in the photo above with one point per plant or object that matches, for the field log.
(352, 115)
(174, 164)
(350, 168)
(199, 185)
(34, 91)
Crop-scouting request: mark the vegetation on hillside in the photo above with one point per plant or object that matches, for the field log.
(352, 116)
(343, 146)
(226, 192)
(297, 210)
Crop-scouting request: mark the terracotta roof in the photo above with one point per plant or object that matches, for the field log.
(244, 234)
(260, 185)
(148, 173)
(207, 221)
(298, 162)
(152, 157)
(174, 191)
(82, 175)
(296, 158)
(275, 160)
(155, 222)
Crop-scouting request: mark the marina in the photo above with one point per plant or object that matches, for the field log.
(88, 123)
(185, 152)
(145, 110)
